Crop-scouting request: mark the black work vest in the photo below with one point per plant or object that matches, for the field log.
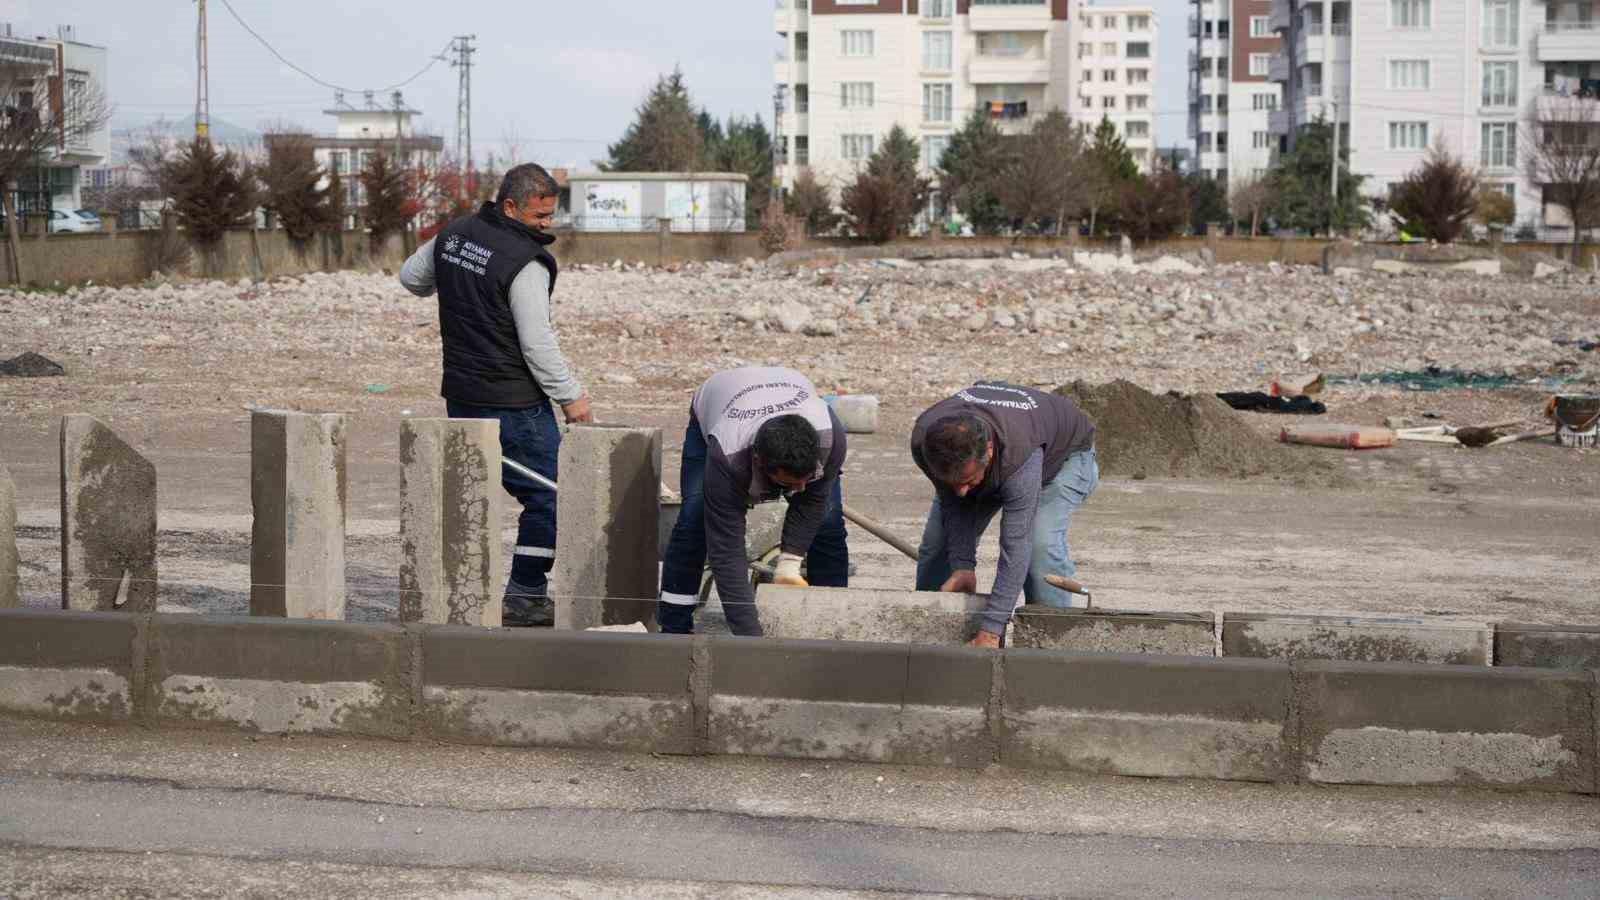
(475, 259)
(1022, 420)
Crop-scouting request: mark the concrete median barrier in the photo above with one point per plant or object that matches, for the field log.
(1357, 639)
(68, 665)
(565, 689)
(1378, 723)
(277, 676)
(875, 702)
(1108, 631)
(1120, 714)
(854, 614)
(1547, 646)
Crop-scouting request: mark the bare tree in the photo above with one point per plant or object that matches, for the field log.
(1561, 153)
(42, 115)
(1248, 198)
(1042, 177)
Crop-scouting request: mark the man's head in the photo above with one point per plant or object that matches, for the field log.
(786, 451)
(530, 195)
(958, 450)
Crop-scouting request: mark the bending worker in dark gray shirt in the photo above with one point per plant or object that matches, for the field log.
(754, 433)
(1025, 454)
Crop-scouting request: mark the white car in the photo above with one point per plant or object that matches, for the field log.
(63, 221)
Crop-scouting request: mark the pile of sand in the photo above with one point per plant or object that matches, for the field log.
(1144, 435)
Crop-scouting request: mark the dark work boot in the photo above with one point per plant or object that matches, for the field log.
(524, 607)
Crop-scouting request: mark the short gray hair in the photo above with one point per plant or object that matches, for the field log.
(525, 182)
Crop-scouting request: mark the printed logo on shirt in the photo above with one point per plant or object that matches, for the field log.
(1026, 403)
(466, 255)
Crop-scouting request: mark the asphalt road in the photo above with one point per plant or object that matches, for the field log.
(126, 812)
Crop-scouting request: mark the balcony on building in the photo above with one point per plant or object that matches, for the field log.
(1010, 106)
(792, 16)
(1208, 27)
(1009, 57)
(1570, 37)
(791, 61)
(1278, 17)
(936, 12)
(1009, 15)
(1278, 121)
(1324, 37)
(1278, 69)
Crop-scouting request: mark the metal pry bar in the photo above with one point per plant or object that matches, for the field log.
(533, 476)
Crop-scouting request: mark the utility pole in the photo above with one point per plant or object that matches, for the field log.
(399, 117)
(462, 61)
(780, 142)
(1333, 159)
(202, 92)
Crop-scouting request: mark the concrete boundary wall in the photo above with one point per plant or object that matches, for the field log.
(1166, 716)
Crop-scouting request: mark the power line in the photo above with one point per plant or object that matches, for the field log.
(328, 84)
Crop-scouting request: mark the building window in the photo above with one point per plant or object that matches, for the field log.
(1138, 76)
(1108, 48)
(936, 50)
(856, 42)
(1138, 101)
(1261, 140)
(1409, 75)
(937, 9)
(937, 102)
(1410, 13)
(1500, 84)
(336, 161)
(855, 146)
(933, 148)
(1408, 135)
(1001, 43)
(1258, 27)
(1108, 102)
(1500, 23)
(1264, 101)
(1109, 23)
(1138, 49)
(1260, 64)
(1222, 142)
(1108, 75)
(1499, 145)
(1206, 104)
(802, 98)
(1085, 49)
(802, 150)
(855, 95)
(1138, 129)
(1138, 23)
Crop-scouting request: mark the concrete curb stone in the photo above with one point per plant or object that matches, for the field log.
(1356, 638)
(89, 676)
(1547, 646)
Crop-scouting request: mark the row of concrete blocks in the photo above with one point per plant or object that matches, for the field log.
(1163, 716)
(450, 521)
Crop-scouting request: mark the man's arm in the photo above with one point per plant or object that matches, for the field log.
(1019, 498)
(417, 274)
(530, 308)
(725, 533)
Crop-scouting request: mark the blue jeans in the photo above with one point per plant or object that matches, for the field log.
(827, 561)
(532, 437)
(1052, 555)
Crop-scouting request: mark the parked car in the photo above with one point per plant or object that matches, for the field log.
(91, 217)
(62, 221)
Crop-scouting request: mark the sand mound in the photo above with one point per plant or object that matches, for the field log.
(1144, 435)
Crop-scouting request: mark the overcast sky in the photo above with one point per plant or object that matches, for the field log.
(561, 78)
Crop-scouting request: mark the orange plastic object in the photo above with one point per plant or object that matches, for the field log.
(1348, 437)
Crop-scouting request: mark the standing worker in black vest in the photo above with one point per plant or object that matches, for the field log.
(1000, 448)
(501, 357)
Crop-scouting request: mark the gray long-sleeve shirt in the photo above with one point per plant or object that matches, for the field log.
(964, 520)
(530, 308)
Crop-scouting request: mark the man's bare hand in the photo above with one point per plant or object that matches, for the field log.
(985, 639)
(962, 581)
(577, 412)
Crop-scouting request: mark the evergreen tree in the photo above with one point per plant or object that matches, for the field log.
(1208, 201)
(966, 172)
(665, 135)
(810, 201)
(388, 196)
(291, 178)
(212, 192)
(1040, 182)
(1113, 169)
(745, 147)
(886, 197)
(1300, 185)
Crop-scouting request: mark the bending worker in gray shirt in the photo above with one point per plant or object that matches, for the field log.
(495, 277)
(1025, 454)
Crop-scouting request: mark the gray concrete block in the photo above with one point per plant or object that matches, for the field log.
(278, 676)
(945, 717)
(1357, 639)
(108, 520)
(451, 570)
(10, 563)
(1110, 631)
(1147, 715)
(70, 665)
(1389, 723)
(607, 526)
(1547, 646)
(763, 527)
(610, 690)
(297, 494)
(858, 413)
(854, 614)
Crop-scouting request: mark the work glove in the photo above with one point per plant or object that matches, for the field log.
(788, 571)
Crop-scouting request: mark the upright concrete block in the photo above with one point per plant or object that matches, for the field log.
(450, 499)
(853, 614)
(1388, 723)
(10, 595)
(1357, 639)
(1110, 631)
(108, 520)
(1547, 646)
(297, 492)
(607, 526)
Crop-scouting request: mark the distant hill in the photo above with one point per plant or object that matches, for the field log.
(129, 134)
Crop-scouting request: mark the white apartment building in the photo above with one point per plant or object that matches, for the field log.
(1231, 98)
(849, 70)
(1114, 67)
(1404, 75)
(1210, 56)
(67, 72)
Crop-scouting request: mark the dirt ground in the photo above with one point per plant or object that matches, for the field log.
(1508, 533)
